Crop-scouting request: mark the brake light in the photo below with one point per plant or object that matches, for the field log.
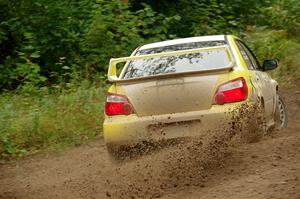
(233, 91)
(117, 105)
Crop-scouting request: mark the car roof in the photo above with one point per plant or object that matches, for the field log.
(182, 41)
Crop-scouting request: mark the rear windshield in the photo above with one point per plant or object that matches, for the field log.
(179, 63)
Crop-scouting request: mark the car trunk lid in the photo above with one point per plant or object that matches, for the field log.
(172, 94)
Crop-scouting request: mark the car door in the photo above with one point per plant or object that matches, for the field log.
(261, 80)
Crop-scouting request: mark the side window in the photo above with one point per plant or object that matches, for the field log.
(245, 56)
(248, 56)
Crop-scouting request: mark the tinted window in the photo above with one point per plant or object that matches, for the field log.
(179, 63)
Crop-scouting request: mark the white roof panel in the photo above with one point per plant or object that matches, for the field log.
(183, 40)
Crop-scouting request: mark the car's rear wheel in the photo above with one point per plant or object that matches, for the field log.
(117, 153)
(120, 153)
(281, 118)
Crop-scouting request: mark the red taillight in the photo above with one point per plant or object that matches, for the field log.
(233, 91)
(117, 105)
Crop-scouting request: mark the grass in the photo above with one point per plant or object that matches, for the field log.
(29, 123)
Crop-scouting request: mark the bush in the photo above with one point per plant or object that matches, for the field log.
(116, 31)
(51, 39)
(275, 44)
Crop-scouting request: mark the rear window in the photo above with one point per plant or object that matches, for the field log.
(179, 63)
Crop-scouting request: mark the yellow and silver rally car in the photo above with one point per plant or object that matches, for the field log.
(181, 87)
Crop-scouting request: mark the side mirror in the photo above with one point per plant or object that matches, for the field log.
(269, 64)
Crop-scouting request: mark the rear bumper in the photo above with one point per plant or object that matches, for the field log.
(126, 130)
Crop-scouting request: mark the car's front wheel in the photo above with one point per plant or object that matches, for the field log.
(281, 118)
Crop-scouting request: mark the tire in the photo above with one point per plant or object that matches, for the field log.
(281, 117)
(116, 153)
(120, 153)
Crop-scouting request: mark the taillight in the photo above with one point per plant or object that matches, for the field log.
(117, 105)
(233, 91)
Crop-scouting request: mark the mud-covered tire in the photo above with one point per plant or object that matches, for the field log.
(119, 153)
(280, 117)
(116, 153)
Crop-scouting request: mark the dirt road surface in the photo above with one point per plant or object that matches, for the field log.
(269, 168)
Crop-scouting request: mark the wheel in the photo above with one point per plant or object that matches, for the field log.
(116, 153)
(120, 153)
(281, 118)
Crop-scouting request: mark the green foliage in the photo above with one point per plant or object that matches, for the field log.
(282, 15)
(36, 35)
(202, 17)
(116, 26)
(54, 39)
(45, 43)
(32, 122)
(275, 44)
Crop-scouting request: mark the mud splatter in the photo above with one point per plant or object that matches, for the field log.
(185, 162)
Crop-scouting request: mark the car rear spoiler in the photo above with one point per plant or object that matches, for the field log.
(112, 69)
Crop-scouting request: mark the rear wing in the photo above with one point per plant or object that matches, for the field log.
(112, 69)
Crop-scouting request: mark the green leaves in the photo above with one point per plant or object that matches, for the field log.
(116, 31)
(36, 34)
